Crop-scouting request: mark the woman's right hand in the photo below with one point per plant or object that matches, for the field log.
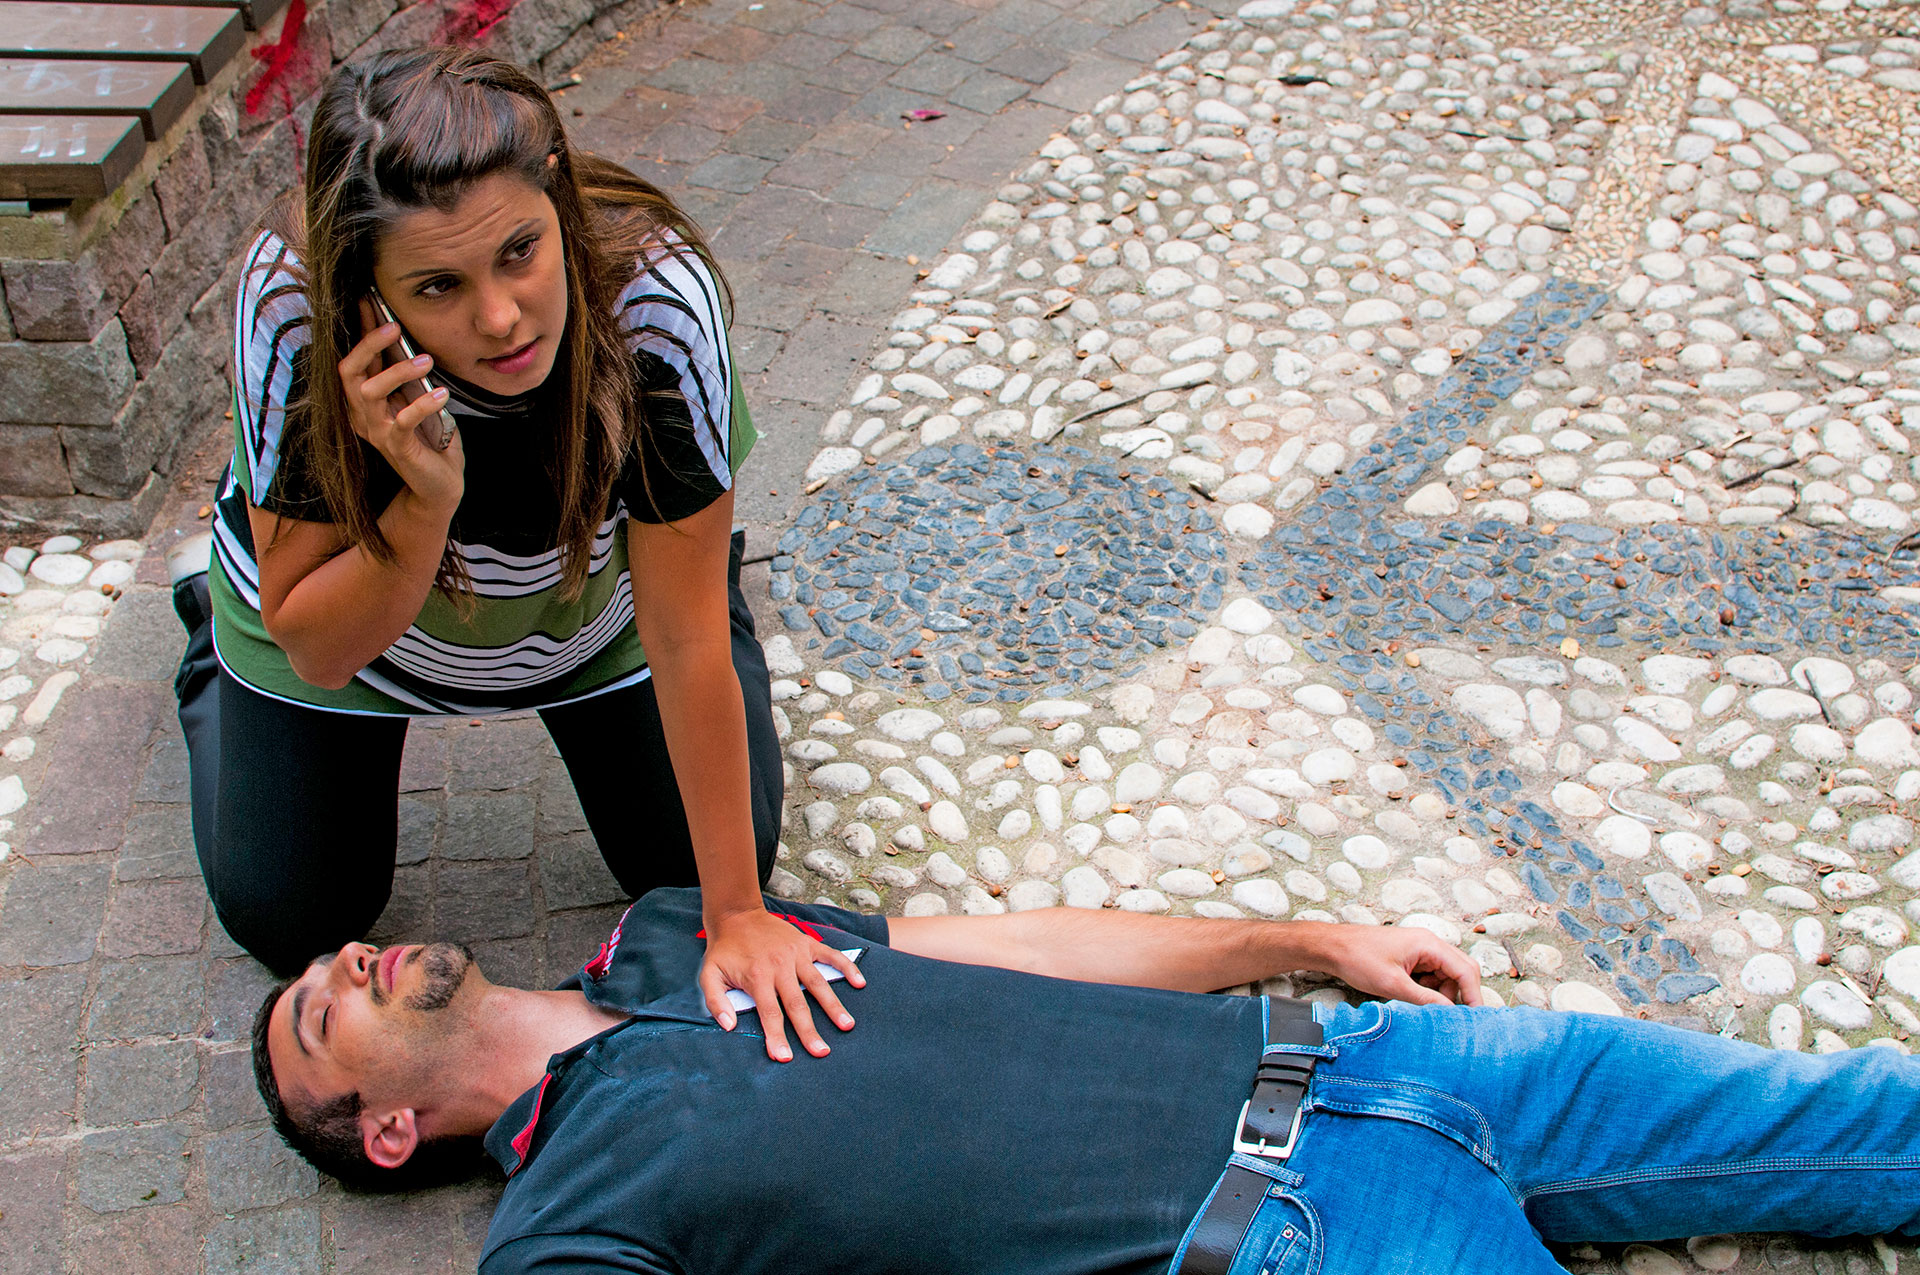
(437, 478)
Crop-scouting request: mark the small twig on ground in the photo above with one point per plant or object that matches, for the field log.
(1197, 489)
(1111, 407)
(1058, 307)
(1762, 472)
(1909, 542)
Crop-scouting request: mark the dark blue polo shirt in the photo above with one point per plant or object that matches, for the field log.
(976, 1120)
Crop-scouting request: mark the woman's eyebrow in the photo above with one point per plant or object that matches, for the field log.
(531, 223)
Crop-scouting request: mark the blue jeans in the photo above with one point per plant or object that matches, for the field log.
(1441, 1139)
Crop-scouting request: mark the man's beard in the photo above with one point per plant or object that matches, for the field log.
(443, 967)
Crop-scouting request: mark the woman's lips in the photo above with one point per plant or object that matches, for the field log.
(515, 362)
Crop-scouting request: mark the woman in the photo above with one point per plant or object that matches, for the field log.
(570, 550)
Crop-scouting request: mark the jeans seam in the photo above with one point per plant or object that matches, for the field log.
(1360, 1037)
(1771, 1164)
(1483, 1141)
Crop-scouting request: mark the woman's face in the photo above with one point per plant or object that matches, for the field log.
(482, 288)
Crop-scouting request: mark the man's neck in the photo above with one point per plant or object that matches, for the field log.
(516, 1032)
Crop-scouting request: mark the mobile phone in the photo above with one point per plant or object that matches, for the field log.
(436, 431)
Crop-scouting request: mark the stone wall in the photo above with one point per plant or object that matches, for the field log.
(115, 326)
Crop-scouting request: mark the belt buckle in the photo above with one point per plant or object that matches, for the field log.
(1261, 1147)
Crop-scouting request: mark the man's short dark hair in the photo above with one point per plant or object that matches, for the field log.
(327, 1134)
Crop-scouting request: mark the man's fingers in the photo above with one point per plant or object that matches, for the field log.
(1461, 970)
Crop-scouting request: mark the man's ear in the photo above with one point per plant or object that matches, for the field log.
(389, 1138)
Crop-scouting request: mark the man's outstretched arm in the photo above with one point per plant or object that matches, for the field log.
(1194, 955)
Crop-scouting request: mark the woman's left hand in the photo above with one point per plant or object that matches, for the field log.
(772, 962)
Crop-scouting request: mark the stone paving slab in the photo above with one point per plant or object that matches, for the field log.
(1477, 291)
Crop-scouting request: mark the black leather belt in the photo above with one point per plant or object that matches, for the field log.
(1269, 1126)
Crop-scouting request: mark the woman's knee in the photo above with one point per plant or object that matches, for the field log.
(284, 921)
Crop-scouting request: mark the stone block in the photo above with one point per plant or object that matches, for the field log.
(573, 875)
(433, 1232)
(235, 990)
(405, 919)
(83, 802)
(142, 643)
(418, 828)
(162, 1241)
(285, 1241)
(196, 257)
(355, 21)
(232, 1096)
(183, 183)
(51, 913)
(531, 29)
(66, 382)
(251, 1168)
(510, 962)
(126, 1083)
(39, 1038)
(140, 316)
(184, 389)
(560, 811)
(167, 777)
(131, 1168)
(32, 462)
(488, 826)
(57, 300)
(95, 517)
(479, 901)
(155, 918)
(147, 998)
(499, 756)
(296, 74)
(423, 764)
(33, 1194)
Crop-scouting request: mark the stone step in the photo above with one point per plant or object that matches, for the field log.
(67, 156)
(156, 92)
(204, 38)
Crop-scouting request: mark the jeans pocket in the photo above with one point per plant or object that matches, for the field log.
(1283, 1239)
(1355, 1024)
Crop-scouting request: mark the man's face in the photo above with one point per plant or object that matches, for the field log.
(382, 1023)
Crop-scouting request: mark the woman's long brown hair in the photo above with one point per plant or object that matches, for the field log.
(411, 129)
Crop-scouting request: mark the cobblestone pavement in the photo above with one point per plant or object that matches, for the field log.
(1440, 465)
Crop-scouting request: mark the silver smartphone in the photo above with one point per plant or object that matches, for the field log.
(436, 431)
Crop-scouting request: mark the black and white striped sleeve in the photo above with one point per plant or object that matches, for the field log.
(676, 331)
(271, 333)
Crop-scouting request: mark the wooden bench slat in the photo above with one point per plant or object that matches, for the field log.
(203, 38)
(157, 92)
(67, 156)
(255, 13)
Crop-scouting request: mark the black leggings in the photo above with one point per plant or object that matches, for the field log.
(295, 809)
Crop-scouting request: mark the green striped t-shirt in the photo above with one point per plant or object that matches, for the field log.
(523, 646)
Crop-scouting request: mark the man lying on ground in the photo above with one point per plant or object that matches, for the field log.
(1044, 1093)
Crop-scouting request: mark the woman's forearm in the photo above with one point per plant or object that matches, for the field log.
(703, 718)
(343, 613)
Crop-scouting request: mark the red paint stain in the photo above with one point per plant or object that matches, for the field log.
(470, 21)
(278, 56)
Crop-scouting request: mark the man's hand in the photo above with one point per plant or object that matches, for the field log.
(1403, 963)
(772, 962)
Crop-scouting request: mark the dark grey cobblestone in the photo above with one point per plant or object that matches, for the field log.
(131, 1168)
(129, 1083)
